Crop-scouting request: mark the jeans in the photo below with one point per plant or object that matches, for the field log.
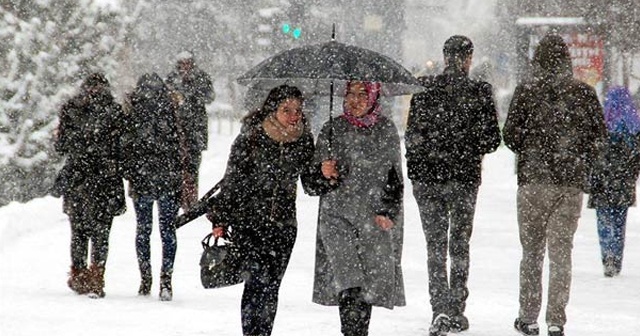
(447, 212)
(266, 250)
(168, 208)
(611, 230)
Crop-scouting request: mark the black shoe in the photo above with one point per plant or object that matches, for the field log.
(166, 292)
(145, 286)
(528, 329)
(555, 331)
(440, 325)
(458, 323)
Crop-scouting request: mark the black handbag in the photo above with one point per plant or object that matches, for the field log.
(220, 265)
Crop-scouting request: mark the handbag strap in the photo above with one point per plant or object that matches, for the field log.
(206, 241)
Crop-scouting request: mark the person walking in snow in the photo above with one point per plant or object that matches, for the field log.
(154, 170)
(555, 127)
(360, 223)
(613, 181)
(257, 200)
(89, 135)
(191, 89)
(451, 126)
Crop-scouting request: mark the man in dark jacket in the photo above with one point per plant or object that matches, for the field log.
(554, 126)
(451, 125)
(191, 89)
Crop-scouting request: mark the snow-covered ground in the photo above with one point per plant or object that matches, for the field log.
(34, 260)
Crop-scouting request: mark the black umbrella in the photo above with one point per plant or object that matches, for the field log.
(314, 68)
(321, 69)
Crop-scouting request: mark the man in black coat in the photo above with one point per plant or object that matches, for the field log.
(191, 89)
(451, 125)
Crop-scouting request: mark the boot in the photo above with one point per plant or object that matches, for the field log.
(96, 282)
(355, 313)
(166, 292)
(145, 284)
(78, 280)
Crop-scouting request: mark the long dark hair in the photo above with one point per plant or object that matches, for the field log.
(276, 96)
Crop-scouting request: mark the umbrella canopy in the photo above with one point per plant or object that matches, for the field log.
(313, 68)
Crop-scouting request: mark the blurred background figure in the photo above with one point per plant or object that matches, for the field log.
(154, 170)
(613, 181)
(191, 89)
(90, 182)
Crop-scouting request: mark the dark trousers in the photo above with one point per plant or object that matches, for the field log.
(86, 226)
(611, 231)
(355, 313)
(447, 211)
(267, 249)
(168, 207)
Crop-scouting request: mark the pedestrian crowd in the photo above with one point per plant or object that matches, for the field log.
(565, 144)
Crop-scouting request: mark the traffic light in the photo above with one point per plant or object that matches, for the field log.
(288, 30)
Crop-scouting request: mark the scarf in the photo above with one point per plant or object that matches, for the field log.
(373, 107)
(281, 133)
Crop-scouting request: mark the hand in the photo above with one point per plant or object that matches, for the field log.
(384, 222)
(218, 232)
(329, 170)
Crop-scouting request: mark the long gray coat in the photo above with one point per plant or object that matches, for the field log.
(351, 250)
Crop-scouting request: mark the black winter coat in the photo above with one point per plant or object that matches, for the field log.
(260, 183)
(451, 125)
(197, 91)
(90, 134)
(555, 125)
(613, 180)
(152, 147)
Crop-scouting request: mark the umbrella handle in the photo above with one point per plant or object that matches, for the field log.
(331, 118)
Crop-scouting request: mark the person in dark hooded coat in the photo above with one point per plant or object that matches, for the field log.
(555, 127)
(613, 181)
(360, 223)
(154, 170)
(257, 200)
(89, 135)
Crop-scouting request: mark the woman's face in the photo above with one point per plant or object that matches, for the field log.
(356, 99)
(289, 112)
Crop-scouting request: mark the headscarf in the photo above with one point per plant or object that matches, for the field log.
(620, 114)
(373, 106)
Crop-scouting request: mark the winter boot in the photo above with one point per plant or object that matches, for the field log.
(440, 325)
(609, 267)
(78, 280)
(459, 323)
(355, 313)
(145, 284)
(527, 329)
(96, 282)
(166, 292)
(555, 331)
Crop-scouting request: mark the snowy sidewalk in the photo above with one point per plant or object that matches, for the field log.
(34, 260)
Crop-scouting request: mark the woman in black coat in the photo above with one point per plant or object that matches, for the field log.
(613, 181)
(257, 199)
(154, 171)
(89, 135)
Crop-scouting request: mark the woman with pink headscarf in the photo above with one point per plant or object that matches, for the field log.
(613, 182)
(360, 225)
